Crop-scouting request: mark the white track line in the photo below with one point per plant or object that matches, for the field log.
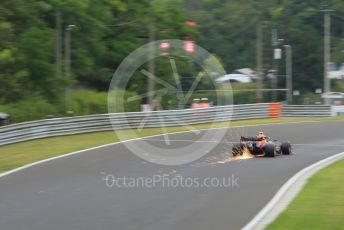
(287, 193)
(120, 142)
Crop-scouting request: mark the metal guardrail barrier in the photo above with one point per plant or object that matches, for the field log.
(338, 110)
(104, 122)
(306, 111)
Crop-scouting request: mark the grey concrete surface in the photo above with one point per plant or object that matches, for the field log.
(71, 193)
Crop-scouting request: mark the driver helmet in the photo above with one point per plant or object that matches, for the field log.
(261, 135)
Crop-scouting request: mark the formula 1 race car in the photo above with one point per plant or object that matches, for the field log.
(261, 145)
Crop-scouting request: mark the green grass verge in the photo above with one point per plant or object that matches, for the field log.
(320, 205)
(19, 154)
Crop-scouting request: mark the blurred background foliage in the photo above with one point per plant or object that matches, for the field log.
(108, 30)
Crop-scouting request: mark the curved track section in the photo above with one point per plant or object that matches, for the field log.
(72, 193)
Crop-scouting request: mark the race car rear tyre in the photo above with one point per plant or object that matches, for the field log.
(270, 150)
(237, 149)
(286, 148)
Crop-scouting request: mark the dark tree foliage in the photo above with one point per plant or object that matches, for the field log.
(108, 30)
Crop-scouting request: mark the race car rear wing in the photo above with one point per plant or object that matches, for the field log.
(250, 139)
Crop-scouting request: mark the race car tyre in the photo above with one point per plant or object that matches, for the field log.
(286, 148)
(270, 150)
(237, 149)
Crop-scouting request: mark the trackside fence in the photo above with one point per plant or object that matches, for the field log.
(103, 122)
(306, 111)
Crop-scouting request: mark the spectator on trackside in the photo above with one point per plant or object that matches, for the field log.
(204, 103)
(195, 104)
(4, 118)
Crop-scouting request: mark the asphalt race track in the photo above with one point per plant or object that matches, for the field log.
(71, 192)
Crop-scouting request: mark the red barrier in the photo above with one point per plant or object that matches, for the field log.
(274, 109)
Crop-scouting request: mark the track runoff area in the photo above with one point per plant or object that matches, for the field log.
(110, 188)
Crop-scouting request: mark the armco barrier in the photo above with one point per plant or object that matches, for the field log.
(103, 122)
(306, 111)
(338, 110)
(274, 109)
